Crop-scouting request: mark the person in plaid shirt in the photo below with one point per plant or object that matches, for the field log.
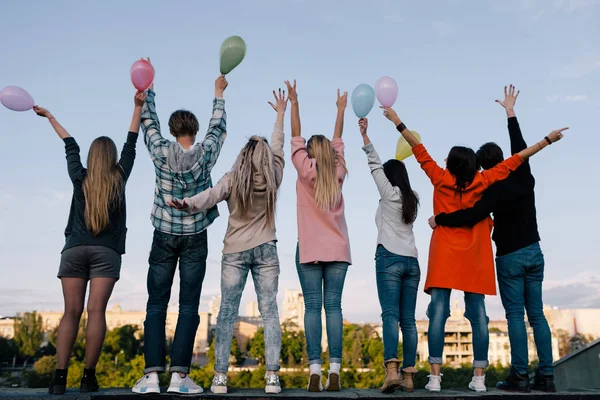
(182, 170)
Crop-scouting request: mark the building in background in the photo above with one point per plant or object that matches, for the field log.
(7, 327)
(213, 308)
(582, 321)
(292, 308)
(252, 309)
(458, 343)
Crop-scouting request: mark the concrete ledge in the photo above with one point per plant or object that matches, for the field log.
(297, 394)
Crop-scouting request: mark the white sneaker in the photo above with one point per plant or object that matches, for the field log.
(315, 383)
(273, 386)
(333, 382)
(183, 385)
(219, 384)
(435, 383)
(147, 384)
(478, 384)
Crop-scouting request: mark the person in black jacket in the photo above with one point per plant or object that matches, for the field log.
(519, 259)
(95, 241)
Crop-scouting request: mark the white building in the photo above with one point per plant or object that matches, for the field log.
(585, 321)
(213, 308)
(252, 309)
(292, 308)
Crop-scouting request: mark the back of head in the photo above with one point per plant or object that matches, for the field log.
(183, 123)
(328, 192)
(396, 173)
(254, 168)
(462, 164)
(489, 155)
(103, 184)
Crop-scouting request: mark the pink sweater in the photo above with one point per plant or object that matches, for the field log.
(322, 235)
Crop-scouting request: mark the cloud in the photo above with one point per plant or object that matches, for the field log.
(443, 28)
(571, 6)
(571, 98)
(582, 291)
(580, 67)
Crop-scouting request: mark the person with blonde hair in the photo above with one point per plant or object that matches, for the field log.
(323, 251)
(95, 242)
(250, 190)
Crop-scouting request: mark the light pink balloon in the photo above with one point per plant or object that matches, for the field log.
(16, 99)
(386, 90)
(142, 74)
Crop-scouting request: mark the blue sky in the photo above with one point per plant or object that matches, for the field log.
(450, 58)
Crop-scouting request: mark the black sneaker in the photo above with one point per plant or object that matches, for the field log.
(59, 383)
(544, 383)
(515, 382)
(89, 383)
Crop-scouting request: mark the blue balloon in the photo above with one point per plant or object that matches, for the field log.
(363, 99)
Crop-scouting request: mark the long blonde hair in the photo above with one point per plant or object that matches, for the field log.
(328, 191)
(254, 165)
(103, 184)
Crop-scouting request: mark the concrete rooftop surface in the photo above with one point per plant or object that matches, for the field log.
(239, 394)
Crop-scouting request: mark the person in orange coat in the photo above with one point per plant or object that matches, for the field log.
(461, 258)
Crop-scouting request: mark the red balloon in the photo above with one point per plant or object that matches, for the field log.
(142, 74)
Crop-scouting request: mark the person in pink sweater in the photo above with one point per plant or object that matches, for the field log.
(323, 252)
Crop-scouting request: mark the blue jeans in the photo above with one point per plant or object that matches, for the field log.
(397, 285)
(263, 262)
(322, 284)
(439, 311)
(191, 252)
(520, 276)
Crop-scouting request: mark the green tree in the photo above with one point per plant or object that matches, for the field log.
(236, 352)
(293, 345)
(8, 348)
(122, 340)
(257, 348)
(29, 333)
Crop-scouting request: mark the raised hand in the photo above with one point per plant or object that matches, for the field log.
(342, 101)
(140, 99)
(293, 95)
(390, 114)
(556, 135)
(363, 124)
(280, 102)
(178, 204)
(220, 85)
(510, 98)
(42, 112)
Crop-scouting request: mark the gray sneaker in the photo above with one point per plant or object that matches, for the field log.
(219, 384)
(273, 386)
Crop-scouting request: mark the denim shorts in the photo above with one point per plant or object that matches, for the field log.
(87, 262)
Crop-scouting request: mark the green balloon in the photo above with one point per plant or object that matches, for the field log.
(232, 53)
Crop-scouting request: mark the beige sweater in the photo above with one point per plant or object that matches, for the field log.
(244, 233)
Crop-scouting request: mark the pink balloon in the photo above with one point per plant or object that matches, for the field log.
(16, 99)
(142, 74)
(386, 90)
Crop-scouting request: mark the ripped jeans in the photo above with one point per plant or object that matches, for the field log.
(439, 311)
(263, 262)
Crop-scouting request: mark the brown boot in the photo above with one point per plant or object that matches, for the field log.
(392, 380)
(406, 383)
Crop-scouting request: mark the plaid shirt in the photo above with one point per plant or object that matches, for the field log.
(180, 184)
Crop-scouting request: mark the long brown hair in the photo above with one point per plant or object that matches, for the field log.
(255, 165)
(103, 184)
(328, 191)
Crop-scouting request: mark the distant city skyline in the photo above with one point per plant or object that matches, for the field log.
(451, 61)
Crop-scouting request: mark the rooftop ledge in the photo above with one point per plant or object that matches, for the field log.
(239, 394)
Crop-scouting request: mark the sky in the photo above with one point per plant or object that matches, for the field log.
(451, 60)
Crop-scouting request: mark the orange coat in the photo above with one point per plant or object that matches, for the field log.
(461, 258)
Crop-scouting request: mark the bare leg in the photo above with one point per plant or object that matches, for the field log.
(100, 291)
(74, 297)
(435, 369)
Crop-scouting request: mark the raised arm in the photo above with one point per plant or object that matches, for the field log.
(341, 103)
(390, 114)
(293, 96)
(206, 199)
(553, 137)
(128, 152)
(517, 143)
(277, 138)
(74, 166)
(386, 190)
(217, 128)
